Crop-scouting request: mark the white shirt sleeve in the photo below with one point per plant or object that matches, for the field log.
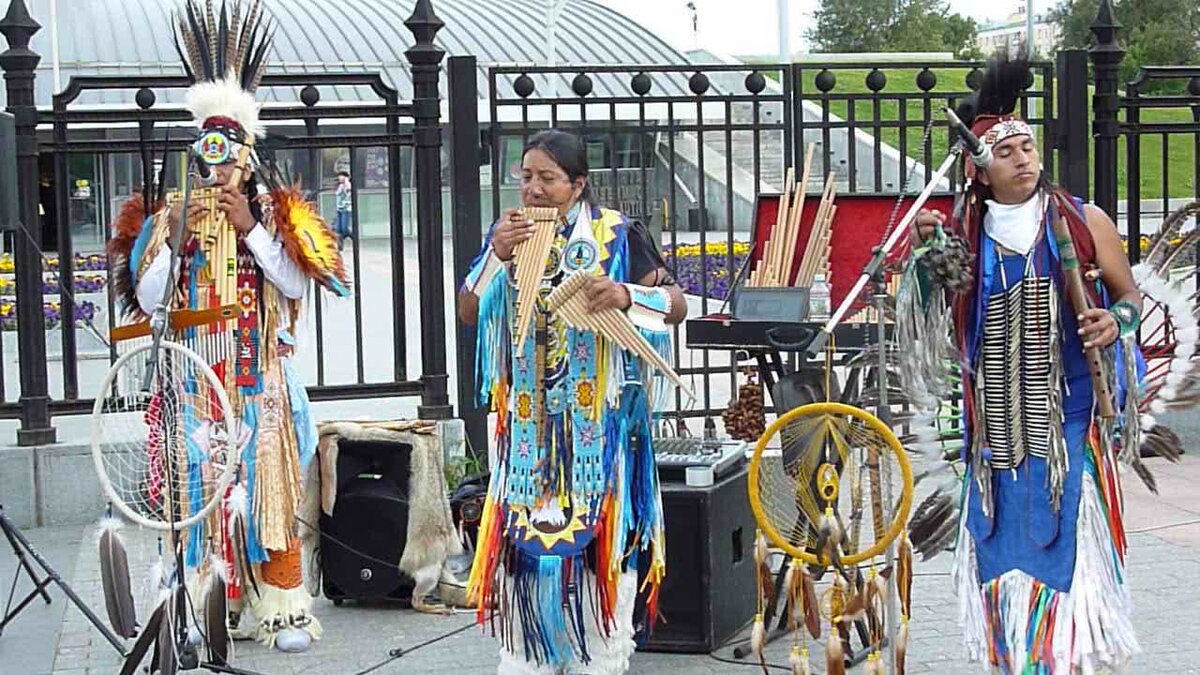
(279, 269)
(153, 281)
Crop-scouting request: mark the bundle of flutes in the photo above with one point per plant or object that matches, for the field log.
(779, 251)
(816, 253)
(530, 257)
(572, 306)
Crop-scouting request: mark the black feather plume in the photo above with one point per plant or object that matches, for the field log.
(1000, 89)
(222, 42)
(183, 58)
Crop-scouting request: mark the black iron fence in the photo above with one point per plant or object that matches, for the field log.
(881, 127)
(396, 141)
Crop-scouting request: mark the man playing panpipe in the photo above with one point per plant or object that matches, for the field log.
(257, 250)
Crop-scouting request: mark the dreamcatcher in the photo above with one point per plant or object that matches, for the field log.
(831, 487)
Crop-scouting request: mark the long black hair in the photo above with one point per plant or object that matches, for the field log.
(568, 151)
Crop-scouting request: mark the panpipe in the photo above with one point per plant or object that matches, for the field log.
(816, 252)
(530, 258)
(780, 249)
(572, 306)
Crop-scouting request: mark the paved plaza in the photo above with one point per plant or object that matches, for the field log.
(1164, 564)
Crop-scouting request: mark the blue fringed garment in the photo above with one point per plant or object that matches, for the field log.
(575, 478)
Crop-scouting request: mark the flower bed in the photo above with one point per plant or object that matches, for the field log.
(694, 271)
(92, 283)
(85, 313)
(94, 262)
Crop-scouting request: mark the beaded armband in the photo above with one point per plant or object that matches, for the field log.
(648, 307)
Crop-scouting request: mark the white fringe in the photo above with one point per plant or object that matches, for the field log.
(1099, 636)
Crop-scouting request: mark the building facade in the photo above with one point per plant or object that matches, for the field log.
(1010, 35)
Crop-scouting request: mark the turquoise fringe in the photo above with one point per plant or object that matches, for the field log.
(494, 346)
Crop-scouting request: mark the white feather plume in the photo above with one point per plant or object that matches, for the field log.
(225, 98)
(236, 503)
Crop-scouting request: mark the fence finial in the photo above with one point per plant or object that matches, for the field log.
(1106, 56)
(19, 63)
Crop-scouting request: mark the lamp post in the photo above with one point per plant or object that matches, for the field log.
(1029, 48)
(785, 47)
(695, 26)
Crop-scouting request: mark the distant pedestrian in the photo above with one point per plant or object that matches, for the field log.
(343, 224)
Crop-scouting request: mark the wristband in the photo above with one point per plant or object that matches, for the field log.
(484, 271)
(648, 307)
(1127, 316)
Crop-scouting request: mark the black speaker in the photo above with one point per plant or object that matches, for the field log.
(10, 209)
(709, 593)
(363, 540)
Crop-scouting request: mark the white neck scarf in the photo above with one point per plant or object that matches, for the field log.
(1015, 226)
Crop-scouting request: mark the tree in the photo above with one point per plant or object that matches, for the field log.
(892, 26)
(1155, 32)
(851, 25)
(960, 35)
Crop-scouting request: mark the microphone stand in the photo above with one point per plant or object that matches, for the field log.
(874, 267)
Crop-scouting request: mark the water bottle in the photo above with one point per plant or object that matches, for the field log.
(819, 299)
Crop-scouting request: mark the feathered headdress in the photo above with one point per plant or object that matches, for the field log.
(224, 54)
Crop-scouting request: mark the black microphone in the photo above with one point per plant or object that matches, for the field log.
(207, 177)
(981, 154)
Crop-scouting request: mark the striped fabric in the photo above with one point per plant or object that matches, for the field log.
(1015, 367)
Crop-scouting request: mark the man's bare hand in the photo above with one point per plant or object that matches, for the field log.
(604, 293)
(236, 207)
(512, 230)
(927, 222)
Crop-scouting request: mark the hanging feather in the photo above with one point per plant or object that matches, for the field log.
(237, 506)
(165, 647)
(1163, 442)
(812, 613)
(790, 589)
(904, 574)
(829, 540)
(854, 610)
(873, 606)
(766, 589)
(216, 611)
(114, 576)
(835, 659)
(934, 523)
(133, 660)
(799, 661)
(901, 651)
(1143, 473)
(758, 641)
